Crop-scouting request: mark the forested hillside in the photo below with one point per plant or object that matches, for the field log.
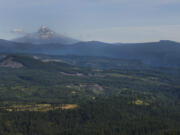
(44, 97)
(157, 54)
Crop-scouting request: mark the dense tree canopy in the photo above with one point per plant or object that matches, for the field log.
(139, 101)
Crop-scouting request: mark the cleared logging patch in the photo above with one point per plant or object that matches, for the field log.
(141, 102)
(39, 107)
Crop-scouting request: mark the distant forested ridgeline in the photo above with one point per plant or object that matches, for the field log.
(158, 54)
(53, 81)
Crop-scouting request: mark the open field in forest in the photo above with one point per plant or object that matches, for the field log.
(39, 107)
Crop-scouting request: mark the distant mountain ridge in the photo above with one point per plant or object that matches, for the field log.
(164, 53)
(45, 36)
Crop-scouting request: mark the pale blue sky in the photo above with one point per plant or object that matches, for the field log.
(103, 20)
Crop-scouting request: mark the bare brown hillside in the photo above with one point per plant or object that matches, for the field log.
(9, 62)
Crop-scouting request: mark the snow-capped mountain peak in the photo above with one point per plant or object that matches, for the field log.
(45, 36)
(45, 31)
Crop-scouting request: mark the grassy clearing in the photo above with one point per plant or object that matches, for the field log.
(140, 102)
(39, 107)
(69, 106)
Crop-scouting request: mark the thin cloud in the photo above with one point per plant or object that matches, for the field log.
(17, 31)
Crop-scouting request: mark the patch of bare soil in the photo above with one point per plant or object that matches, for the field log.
(11, 63)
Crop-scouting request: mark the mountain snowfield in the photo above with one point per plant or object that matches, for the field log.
(44, 36)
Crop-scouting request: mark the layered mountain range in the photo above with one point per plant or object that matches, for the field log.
(164, 53)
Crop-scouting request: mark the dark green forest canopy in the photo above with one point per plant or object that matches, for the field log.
(113, 101)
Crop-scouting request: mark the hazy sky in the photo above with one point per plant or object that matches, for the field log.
(103, 20)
